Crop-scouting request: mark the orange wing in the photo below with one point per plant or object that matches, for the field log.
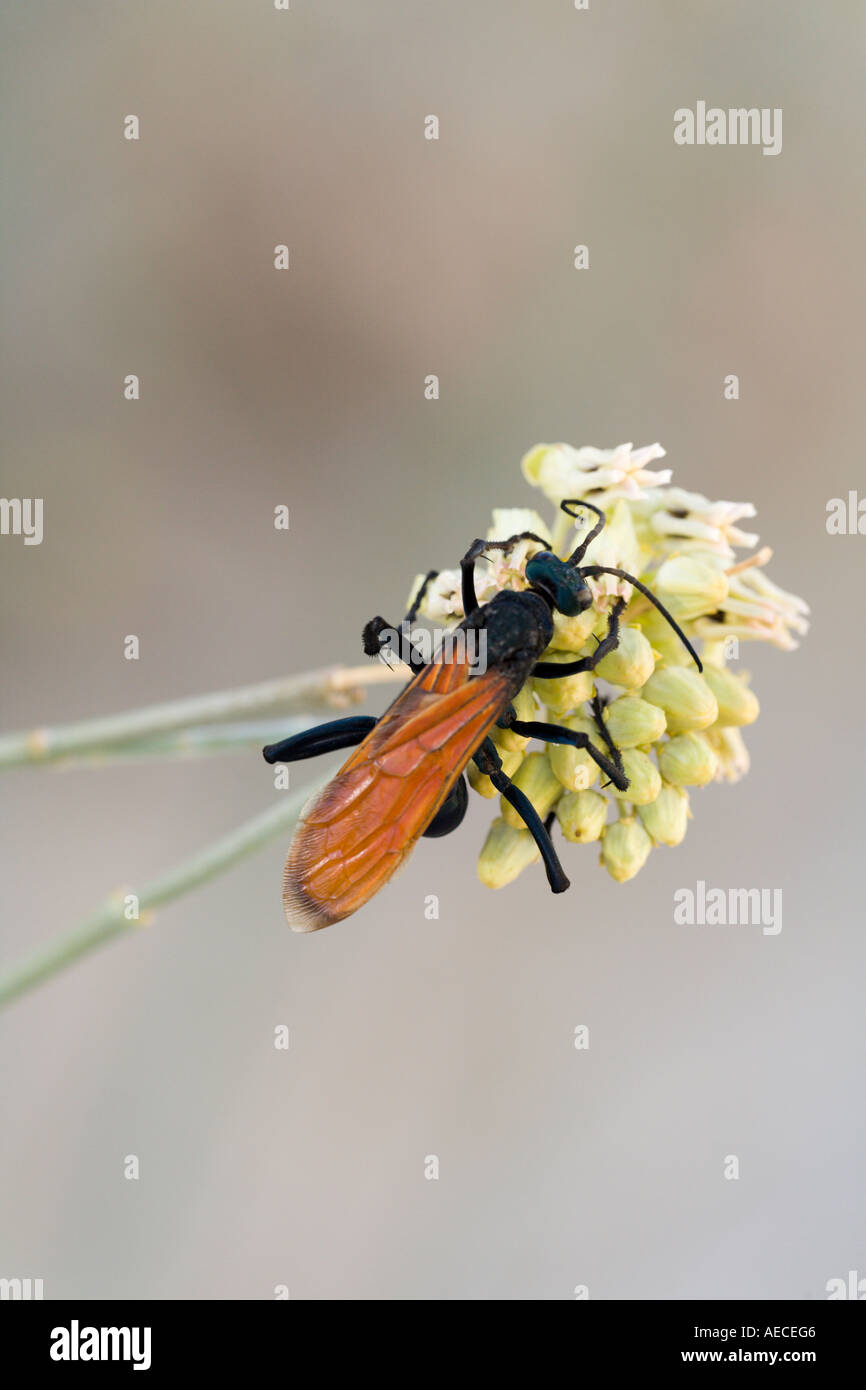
(355, 833)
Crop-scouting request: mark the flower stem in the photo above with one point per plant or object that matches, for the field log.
(109, 921)
(336, 687)
(190, 743)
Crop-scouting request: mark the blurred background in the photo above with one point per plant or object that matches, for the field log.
(412, 1037)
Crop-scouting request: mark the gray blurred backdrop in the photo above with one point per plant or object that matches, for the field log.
(412, 1037)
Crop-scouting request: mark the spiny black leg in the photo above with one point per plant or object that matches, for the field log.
(419, 597)
(575, 738)
(467, 576)
(325, 738)
(371, 637)
(373, 644)
(477, 548)
(593, 570)
(487, 760)
(577, 555)
(550, 670)
(597, 708)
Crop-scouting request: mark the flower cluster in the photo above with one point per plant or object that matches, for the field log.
(676, 729)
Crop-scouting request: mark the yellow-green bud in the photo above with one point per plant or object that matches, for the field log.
(536, 779)
(569, 634)
(690, 587)
(525, 708)
(625, 848)
(685, 697)
(738, 705)
(688, 760)
(663, 639)
(644, 782)
(573, 767)
(633, 722)
(481, 783)
(666, 818)
(567, 692)
(581, 816)
(505, 854)
(631, 663)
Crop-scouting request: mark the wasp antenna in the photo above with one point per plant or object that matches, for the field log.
(570, 502)
(593, 570)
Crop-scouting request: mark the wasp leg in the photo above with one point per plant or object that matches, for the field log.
(506, 718)
(592, 571)
(419, 597)
(597, 705)
(371, 637)
(550, 670)
(556, 733)
(476, 549)
(451, 812)
(488, 760)
(325, 738)
(374, 644)
(577, 555)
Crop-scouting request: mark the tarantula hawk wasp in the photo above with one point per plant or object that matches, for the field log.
(405, 777)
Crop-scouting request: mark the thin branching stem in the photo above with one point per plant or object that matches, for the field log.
(110, 920)
(334, 688)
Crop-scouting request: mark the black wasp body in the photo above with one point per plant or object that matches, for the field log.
(406, 777)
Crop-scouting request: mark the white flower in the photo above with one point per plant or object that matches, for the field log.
(506, 568)
(562, 471)
(691, 521)
(756, 609)
(494, 570)
(442, 602)
(732, 753)
(510, 521)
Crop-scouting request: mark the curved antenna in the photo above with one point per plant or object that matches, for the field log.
(577, 555)
(593, 570)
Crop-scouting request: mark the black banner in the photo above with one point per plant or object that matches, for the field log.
(160, 1338)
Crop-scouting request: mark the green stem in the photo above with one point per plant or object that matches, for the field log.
(110, 920)
(190, 743)
(336, 688)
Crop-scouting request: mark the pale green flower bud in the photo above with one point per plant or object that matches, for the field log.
(525, 708)
(581, 816)
(666, 818)
(631, 663)
(633, 722)
(664, 641)
(536, 779)
(685, 697)
(481, 783)
(509, 521)
(567, 692)
(644, 782)
(569, 634)
(690, 586)
(625, 848)
(738, 705)
(505, 854)
(688, 760)
(574, 767)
